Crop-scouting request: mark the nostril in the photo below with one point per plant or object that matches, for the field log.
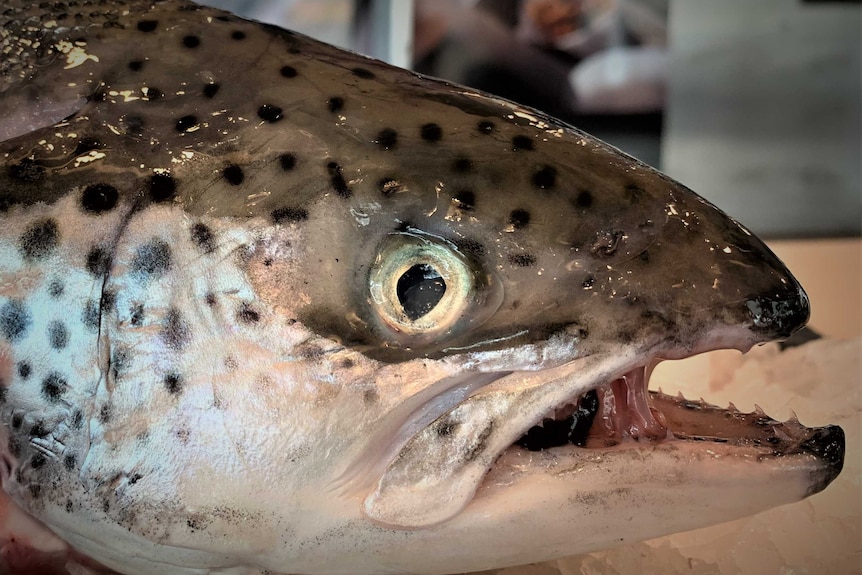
(780, 316)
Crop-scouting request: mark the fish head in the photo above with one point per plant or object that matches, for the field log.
(324, 304)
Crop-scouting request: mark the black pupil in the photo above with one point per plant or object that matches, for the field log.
(419, 290)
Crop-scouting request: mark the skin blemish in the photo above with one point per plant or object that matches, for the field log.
(233, 174)
(211, 89)
(431, 133)
(336, 178)
(288, 72)
(522, 260)
(363, 73)
(387, 138)
(335, 104)
(152, 260)
(98, 198)
(191, 41)
(485, 127)
(545, 177)
(269, 113)
(40, 239)
(147, 25)
(173, 383)
(287, 162)
(522, 143)
(15, 320)
(58, 335)
(175, 330)
(519, 219)
(187, 123)
(98, 261)
(203, 237)
(53, 388)
(162, 187)
(289, 214)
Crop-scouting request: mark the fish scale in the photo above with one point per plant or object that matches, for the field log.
(209, 358)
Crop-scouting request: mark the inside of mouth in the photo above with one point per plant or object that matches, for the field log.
(617, 411)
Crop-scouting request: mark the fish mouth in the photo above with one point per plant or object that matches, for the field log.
(624, 413)
(589, 405)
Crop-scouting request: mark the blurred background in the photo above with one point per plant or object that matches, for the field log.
(755, 105)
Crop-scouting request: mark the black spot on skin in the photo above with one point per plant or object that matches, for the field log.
(53, 387)
(247, 314)
(363, 73)
(35, 490)
(136, 65)
(336, 178)
(58, 335)
(69, 506)
(237, 35)
(465, 199)
(98, 261)
(147, 25)
(69, 462)
(335, 104)
(17, 420)
(39, 429)
(98, 198)
(522, 260)
(545, 178)
(105, 414)
(289, 214)
(27, 171)
(470, 247)
(270, 113)
(387, 138)
(175, 331)
(287, 162)
(485, 127)
(92, 316)
(210, 299)
(38, 460)
(152, 259)
(3, 391)
(56, 289)
(40, 239)
(588, 282)
(77, 420)
(137, 315)
(154, 94)
(389, 186)
(15, 320)
(462, 165)
(584, 199)
(288, 71)
(24, 369)
(233, 174)
(519, 219)
(134, 478)
(191, 41)
(173, 383)
(211, 89)
(14, 447)
(633, 193)
(186, 123)
(162, 187)
(203, 237)
(644, 256)
(108, 299)
(431, 132)
(522, 143)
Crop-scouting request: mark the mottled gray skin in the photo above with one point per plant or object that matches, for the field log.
(162, 143)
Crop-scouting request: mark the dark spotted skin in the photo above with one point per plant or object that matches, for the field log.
(123, 191)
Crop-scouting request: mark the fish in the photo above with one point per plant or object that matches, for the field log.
(267, 306)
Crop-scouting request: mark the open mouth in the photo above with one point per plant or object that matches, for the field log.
(625, 413)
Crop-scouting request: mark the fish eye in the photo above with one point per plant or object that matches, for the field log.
(420, 284)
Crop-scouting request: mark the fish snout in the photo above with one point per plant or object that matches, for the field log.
(780, 315)
(827, 444)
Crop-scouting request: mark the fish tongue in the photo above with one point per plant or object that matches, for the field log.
(625, 410)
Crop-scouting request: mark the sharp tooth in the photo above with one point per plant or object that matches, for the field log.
(731, 407)
(758, 411)
(793, 417)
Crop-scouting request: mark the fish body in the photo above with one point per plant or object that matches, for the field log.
(271, 307)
